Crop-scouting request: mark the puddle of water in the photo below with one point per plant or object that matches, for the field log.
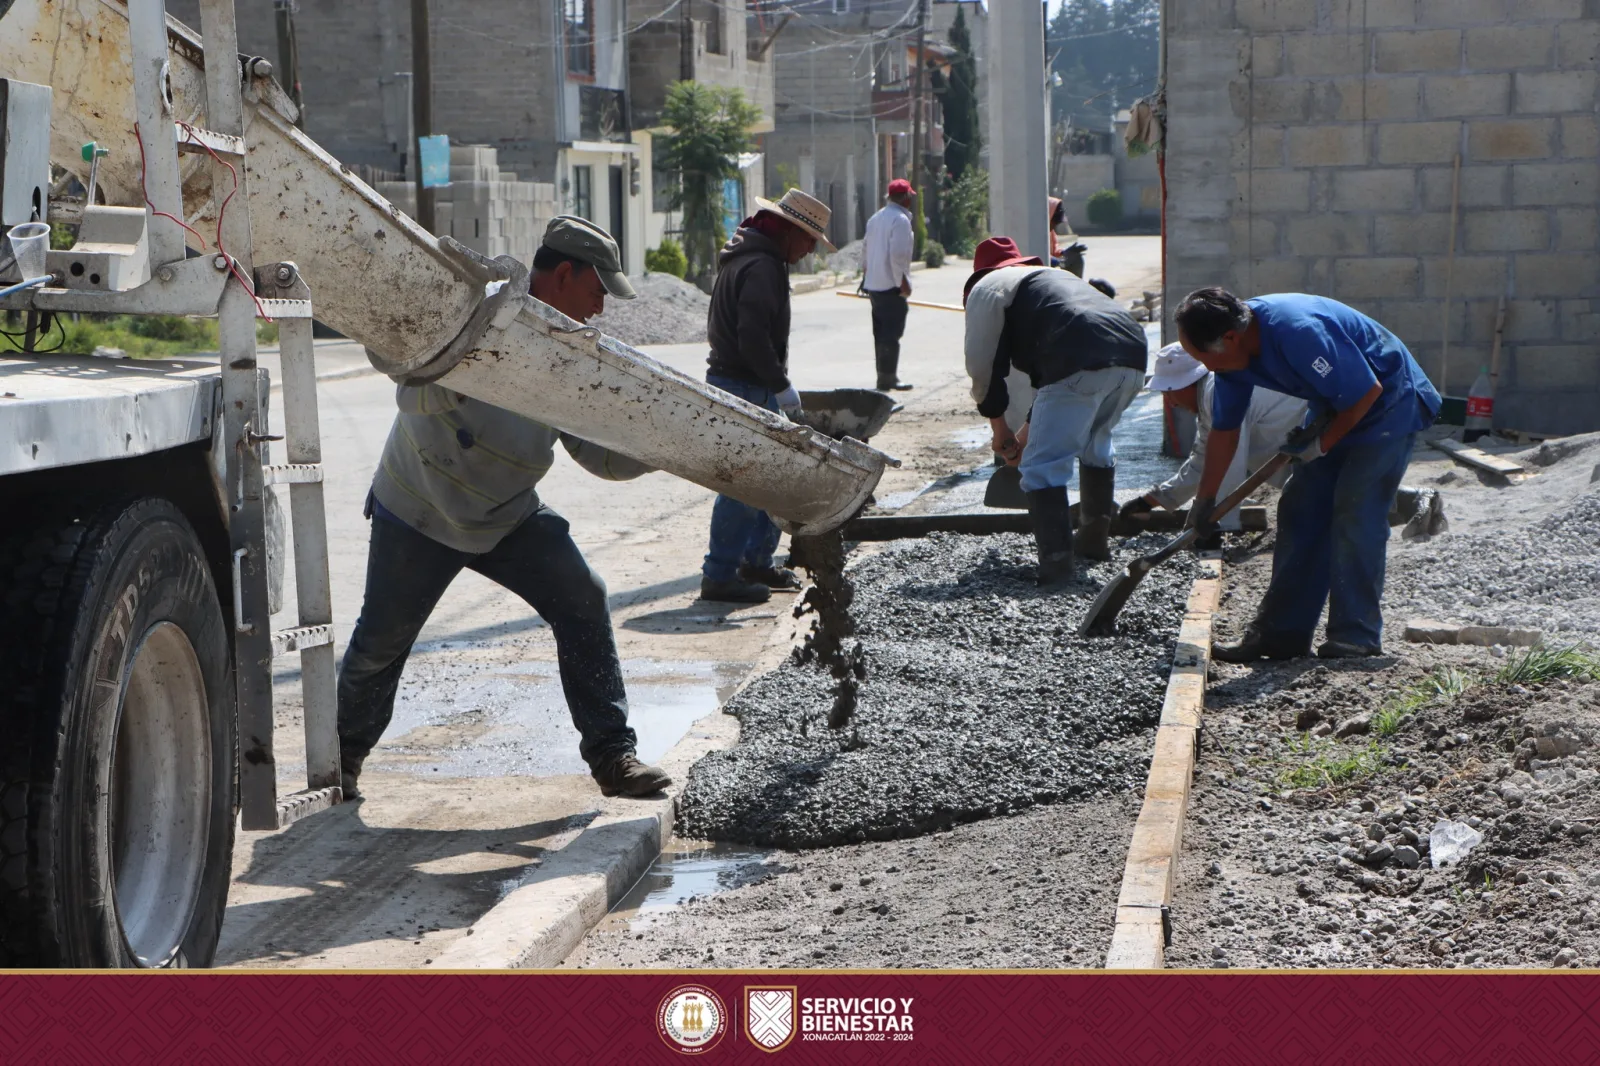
(465, 719)
(688, 869)
(974, 438)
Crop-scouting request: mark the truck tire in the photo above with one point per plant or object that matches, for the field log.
(118, 749)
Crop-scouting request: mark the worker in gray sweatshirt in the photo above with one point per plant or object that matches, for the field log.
(457, 489)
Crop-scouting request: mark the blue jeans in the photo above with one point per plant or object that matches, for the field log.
(408, 572)
(1333, 543)
(1073, 419)
(740, 534)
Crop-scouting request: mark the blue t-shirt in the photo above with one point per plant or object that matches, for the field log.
(1330, 355)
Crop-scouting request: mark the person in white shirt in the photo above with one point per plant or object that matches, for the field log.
(886, 278)
(1271, 417)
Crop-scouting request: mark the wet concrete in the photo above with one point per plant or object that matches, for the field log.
(1140, 464)
(466, 718)
(981, 701)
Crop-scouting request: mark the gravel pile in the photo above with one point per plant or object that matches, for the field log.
(1539, 569)
(980, 701)
(669, 310)
(846, 260)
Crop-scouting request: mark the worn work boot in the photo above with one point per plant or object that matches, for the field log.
(1339, 649)
(1097, 504)
(734, 590)
(774, 577)
(625, 775)
(1052, 532)
(1253, 645)
(349, 771)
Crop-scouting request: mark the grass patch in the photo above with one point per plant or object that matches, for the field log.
(1328, 763)
(1542, 663)
(141, 336)
(1445, 683)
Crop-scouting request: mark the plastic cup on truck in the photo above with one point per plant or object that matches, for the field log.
(29, 243)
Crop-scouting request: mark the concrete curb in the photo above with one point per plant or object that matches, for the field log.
(1138, 942)
(337, 375)
(540, 922)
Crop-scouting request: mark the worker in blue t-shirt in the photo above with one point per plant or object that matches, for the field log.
(1333, 518)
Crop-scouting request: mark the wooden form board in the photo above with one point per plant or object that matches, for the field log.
(1479, 459)
(1139, 940)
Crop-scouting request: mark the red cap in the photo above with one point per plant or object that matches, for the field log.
(994, 253)
(899, 187)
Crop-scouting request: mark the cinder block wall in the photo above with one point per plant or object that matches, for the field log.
(1312, 147)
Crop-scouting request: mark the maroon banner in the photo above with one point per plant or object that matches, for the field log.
(799, 1017)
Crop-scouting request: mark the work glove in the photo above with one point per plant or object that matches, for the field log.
(1304, 445)
(1137, 507)
(1201, 519)
(789, 402)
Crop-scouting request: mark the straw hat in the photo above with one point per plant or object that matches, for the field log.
(804, 210)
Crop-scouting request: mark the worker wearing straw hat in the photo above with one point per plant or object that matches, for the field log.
(748, 327)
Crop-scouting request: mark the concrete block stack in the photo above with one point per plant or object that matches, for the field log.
(1313, 147)
(485, 208)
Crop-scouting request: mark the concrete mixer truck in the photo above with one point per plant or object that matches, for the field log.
(135, 562)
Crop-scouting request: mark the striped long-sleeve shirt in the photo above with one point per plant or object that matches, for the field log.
(465, 472)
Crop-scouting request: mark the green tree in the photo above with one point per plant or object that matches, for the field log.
(966, 211)
(958, 99)
(1106, 52)
(710, 126)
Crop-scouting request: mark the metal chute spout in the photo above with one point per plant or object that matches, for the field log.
(541, 364)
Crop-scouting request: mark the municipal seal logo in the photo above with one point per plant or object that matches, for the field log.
(769, 1015)
(691, 1019)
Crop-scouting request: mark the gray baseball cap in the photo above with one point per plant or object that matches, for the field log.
(582, 239)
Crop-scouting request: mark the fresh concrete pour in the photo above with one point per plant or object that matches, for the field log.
(979, 701)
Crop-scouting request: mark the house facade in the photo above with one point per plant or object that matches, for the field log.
(843, 101)
(542, 82)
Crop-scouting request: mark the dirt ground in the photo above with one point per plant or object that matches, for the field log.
(1035, 889)
(1322, 786)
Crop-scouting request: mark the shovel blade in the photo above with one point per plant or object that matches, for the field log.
(1005, 490)
(1101, 618)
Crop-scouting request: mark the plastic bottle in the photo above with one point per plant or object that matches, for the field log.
(1480, 408)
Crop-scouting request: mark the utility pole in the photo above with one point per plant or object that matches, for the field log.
(919, 93)
(421, 105)
(1018, 138)
(1018, 134)
(289, 56)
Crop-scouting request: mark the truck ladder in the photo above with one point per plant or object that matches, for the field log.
(244, 415)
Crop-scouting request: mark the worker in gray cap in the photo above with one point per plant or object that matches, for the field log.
(457, 490)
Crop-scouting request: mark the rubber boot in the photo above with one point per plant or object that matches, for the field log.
(1097, 505)
(1052, 532)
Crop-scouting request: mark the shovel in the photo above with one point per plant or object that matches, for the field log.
(1102, 615)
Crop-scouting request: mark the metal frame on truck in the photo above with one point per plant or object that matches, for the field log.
(138, 601)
